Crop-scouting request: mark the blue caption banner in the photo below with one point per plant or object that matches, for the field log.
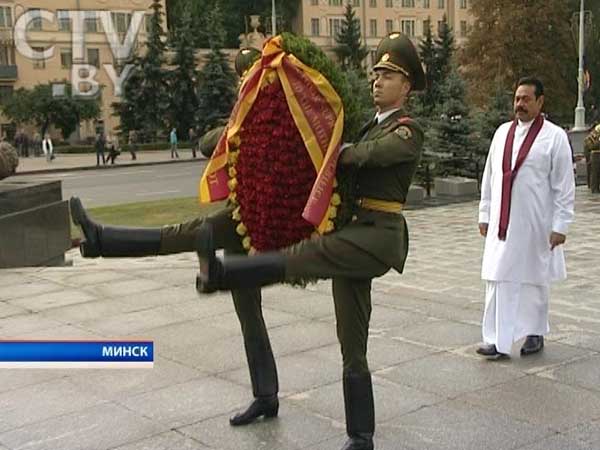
(74, 352)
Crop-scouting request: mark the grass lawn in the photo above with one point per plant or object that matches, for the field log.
(149, 214)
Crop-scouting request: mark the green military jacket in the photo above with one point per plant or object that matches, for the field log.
(387, 157)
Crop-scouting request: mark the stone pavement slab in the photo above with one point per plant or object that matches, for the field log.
(431, 390)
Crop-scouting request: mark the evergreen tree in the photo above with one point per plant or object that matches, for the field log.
(456, 144)
(426, 99)
(350, 50)
(217, 82)
(442, 60)
(183, 79)
(153, 94)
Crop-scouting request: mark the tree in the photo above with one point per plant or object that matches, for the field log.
(426, 99)
(183, 79)
(153, 94)
(442, 60)
(144, 104)
(235, 17)
(513, 38)
(217, 82)
(43, 109)
(350, 50)
(456, 144)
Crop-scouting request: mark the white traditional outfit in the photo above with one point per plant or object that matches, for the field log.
(518, 265)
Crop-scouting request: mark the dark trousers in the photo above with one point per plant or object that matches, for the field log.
(100, 153)
(247, 302)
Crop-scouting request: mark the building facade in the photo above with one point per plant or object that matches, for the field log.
(52, 31)
(321, 20)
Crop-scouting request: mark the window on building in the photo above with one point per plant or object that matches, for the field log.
(6, 93)
(148, 20)
(355, 2)
(389, 3)
(426, 4)
(426, 24)
(315, 27)
(7, 55)
(408, 27)
(440, 26)
(91, 22)
(335, 25)
(441, 4)
(93, 57)
(5, 17)
(373, 27)
(408, 3)
(389, 26)
(66, 58)
(39, 63)
(463, 4)
(63, 19)
(36, 23)
(121, 21)
(335, 2)
(373, 3)
(373, 57)
(463, 28)
(314, 2)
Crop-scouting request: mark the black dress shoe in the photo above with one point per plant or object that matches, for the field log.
(490, 351)
(532, 344)
(359, 443)
(261, 406)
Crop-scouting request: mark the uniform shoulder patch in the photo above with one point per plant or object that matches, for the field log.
(404, 132)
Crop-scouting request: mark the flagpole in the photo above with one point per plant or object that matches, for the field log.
(580, 109)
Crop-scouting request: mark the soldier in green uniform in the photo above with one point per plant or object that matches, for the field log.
(243, 61)
(373, 242)
(109, 241)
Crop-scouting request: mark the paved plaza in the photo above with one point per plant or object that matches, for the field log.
(431, 390)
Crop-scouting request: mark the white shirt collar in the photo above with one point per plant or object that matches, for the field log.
(380, 117)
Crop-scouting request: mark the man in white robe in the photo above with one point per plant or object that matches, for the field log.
(523, 245)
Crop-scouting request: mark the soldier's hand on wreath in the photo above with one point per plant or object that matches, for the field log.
(483, 227)
(556, 239)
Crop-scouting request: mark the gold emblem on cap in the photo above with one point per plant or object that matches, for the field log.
(394, 35)
(385, 57)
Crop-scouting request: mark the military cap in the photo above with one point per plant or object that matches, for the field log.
(397, 53)
(245, 58)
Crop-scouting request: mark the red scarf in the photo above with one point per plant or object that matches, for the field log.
(508, 175)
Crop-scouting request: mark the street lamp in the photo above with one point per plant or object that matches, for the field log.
(274, 18)
(577, 133)
(580, 109)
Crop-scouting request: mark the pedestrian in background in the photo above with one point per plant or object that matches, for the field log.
(99, 146)
(132, 142)
(173, 140)
(48, 148)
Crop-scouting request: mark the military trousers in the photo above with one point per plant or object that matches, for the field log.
(248, 302)
(351, 269)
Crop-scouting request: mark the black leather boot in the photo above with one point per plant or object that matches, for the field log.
(360, 411)
(265, 386)
(107, 241)
(234, 272)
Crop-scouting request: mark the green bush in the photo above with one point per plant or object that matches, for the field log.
(152, 146)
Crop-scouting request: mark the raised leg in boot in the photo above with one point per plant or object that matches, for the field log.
(109, 241)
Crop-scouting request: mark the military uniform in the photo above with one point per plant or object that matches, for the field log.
(110, 241)
(373, 242)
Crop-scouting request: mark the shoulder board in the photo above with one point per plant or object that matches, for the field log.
(405, 121)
